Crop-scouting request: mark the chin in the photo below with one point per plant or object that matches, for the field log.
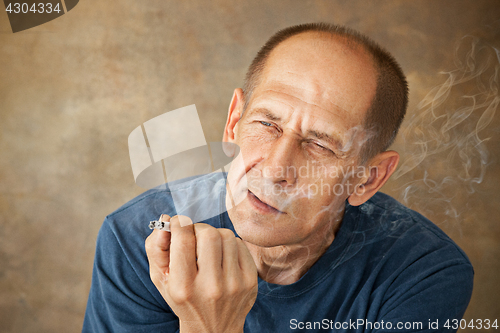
(260, 229)
(261, 240)
(262, 234)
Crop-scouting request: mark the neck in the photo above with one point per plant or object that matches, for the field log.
(286, 264)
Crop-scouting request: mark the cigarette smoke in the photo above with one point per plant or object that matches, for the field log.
(445, 154)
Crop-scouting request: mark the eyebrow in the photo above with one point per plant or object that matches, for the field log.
(267, 114)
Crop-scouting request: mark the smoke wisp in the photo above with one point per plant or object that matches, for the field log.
(445, 151)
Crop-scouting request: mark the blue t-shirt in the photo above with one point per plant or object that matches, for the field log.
(389, 269)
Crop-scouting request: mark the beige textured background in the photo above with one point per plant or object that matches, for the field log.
(73, 89)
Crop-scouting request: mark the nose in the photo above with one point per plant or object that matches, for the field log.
(280, 164)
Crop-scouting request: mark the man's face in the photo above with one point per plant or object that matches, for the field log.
(299, 139)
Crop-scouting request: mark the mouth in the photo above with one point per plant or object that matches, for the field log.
(261, 206)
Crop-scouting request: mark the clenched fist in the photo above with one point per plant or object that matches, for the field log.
(206, 275)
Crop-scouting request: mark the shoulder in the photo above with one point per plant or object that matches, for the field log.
(410, 249)
(403, 247)
(419, 269)
(400, 222)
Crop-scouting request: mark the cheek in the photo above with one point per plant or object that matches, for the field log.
(323, 209)
(253, 148)
(256, 133)
(323, 192)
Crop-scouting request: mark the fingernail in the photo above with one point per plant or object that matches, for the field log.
(182, 220)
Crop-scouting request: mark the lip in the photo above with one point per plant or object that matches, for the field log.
(261, 206)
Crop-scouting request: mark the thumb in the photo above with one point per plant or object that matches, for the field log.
(158, 251)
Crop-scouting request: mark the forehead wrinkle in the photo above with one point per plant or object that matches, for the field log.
(325, 70)
(312, 116)
(312, 90)
(338, 108)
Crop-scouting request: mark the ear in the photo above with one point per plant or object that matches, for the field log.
(234, 114)
(380, 168)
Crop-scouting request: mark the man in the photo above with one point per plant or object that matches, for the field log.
(318, 249)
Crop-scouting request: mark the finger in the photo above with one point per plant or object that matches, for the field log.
(245, 259)
(182, 253)
(230, 250)
(165, 218)
(158, 252)
(208, 250)
(183, 220)
(163, 237)
(157, 247)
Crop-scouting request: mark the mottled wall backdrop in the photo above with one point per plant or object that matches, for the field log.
(72, 90)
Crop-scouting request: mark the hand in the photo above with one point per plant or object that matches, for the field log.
(206, 275)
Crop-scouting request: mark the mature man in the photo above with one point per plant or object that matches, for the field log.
(317, 248)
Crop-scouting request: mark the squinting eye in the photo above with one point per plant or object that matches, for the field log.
(323, 148)
(320, 146)
(266, 124)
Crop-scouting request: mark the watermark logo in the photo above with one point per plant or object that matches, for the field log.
(172, 148)
(28, 14)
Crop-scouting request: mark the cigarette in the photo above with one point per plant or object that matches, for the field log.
(162, 223)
